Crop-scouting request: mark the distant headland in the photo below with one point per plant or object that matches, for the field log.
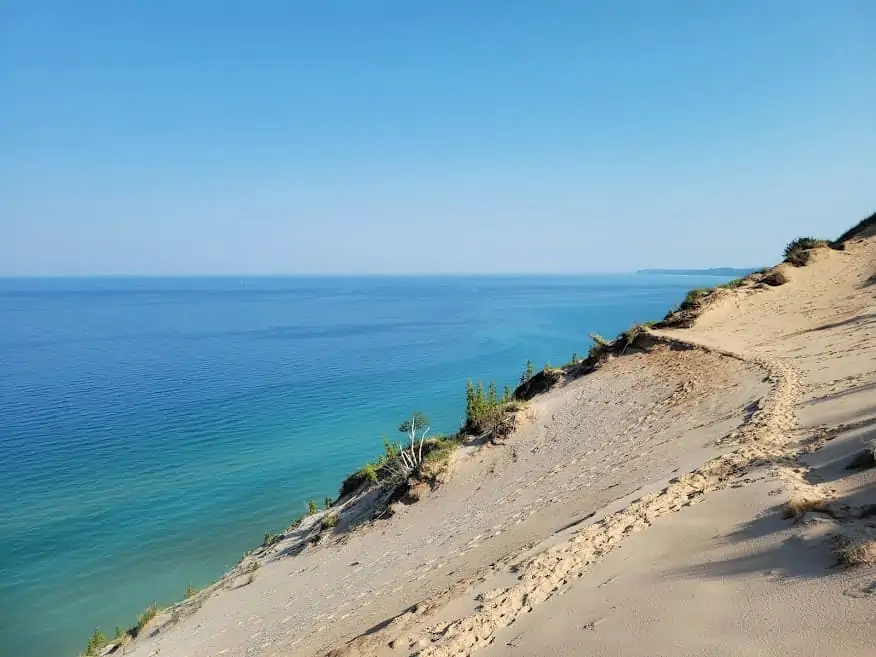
(714, 271)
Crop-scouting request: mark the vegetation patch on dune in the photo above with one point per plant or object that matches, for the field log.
(798, 507)
(856, 552)
(799, 251)
(864, 228)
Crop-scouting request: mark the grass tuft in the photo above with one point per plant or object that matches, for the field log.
(191, 591)
(798, 506)
(732, 285)
(861, 552)
(330, 520)
(145, 618)
(695, 296)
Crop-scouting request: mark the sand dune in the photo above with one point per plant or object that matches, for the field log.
(638, 510)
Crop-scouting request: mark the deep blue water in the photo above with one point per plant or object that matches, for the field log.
(151, 430)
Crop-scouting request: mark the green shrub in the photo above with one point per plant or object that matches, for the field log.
(369, 473)
(366, 475)
(95, 643)
(330, 520)
(119, 634)
(480, 407)
(191, 590)
(312, 507)
(271, 538)
(438, 448)
(797, 251)
(695, 296)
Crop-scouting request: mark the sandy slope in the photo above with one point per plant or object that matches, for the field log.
(538, 546)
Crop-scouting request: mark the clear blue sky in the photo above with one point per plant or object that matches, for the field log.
(201, 136)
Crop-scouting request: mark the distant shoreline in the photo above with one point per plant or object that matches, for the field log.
(714, 271)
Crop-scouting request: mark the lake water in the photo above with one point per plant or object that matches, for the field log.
(152, 430)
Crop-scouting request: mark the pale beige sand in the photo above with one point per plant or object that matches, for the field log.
(601, 477)
(729, 577)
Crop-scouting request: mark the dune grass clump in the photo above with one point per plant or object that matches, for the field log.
(145, 618)
(774, 278)
(191, 591)
(366, 475)
(732, 285)
(798, 251)
(861, 552)
(330, 521)
(798, 506)
(693, 297)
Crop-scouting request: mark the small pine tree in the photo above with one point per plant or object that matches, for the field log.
(507, 395)
(95, 643)
(312, 507)
(491, 395)
(328, 503)
(574, 358)
(390, 450)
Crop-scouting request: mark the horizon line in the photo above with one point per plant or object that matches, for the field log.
(645, 270)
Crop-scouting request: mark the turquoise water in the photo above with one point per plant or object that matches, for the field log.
(153, 429)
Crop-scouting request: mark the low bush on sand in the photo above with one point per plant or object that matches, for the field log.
(695, 296)
(856, 552)
(330, 521)
(798, 506)
(798, 251)
(774, 278)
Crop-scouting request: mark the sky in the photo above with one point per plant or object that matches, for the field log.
(415, 136)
